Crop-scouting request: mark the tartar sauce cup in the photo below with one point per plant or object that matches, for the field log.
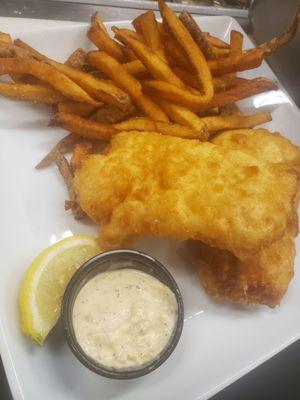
(110, 261)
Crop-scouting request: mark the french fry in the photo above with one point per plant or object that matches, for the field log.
(222, 122)
(230, 109)
(196, 33)
(5, 38)
(243, 90)
(127, 82)
(222, 82)
(77, 59)
(48, 74)
(63, 146)
(236, 43)
(135, 68)
(87, 128)
(97, 20)
(175, 55)
(74, 107)
(165, 128)
(238, 62)
(34, 93)
(103, 41)
(131, 33)
(216, 42)
(193, 53)
(154, 64)
(149, 29)
(100, 131)
(129, 54)
(110, 114)
(178, 95)
(182, 115)
(98, 88)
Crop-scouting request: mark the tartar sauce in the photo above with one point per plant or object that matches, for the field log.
(124, 318)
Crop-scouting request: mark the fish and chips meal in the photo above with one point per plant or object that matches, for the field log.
(160, 147)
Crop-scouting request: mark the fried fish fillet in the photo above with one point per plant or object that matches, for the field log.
(264, 277)
(262, 144)
(152, 185)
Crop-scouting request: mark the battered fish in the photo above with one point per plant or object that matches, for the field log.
(152, 185)
(264, 277)
(262, 144)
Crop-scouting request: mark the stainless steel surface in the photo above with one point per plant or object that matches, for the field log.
(111, 10)
(270, 18)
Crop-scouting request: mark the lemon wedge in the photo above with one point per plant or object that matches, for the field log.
(45, 281)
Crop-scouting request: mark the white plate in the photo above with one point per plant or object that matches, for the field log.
(220, 341)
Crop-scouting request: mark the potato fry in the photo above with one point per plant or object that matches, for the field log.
(230, 109)
(110, 114)
(5, 38)
(238, 62)
(77, 59)
(220, 83)
(131, 33)
(135, 68)
(196, 33)
(236, 43)
(128, 83)
(48, 74)
(85, 127)
(222, 122)
(216, 42)
(149, 29)
(98, 88)
(173, 93)
(154, 64)
(101, 131)
(165, 128)
(129, 54)
(193, 53)
(249, 87)
(175, 55)
(34, 93)
(63, 146)
(180, 96)
(97, 20)
(103, 41)
(74, 107)
(182, 115)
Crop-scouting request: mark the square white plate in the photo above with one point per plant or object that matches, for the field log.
(220, 341)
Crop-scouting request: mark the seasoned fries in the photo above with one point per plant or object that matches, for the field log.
(198, 35)
(148, 27)
(141, 80)
(128, 83)
(221, 122)
(98, 88)
(26, 92)
(47, 74)
(100, 131)
(99, 36)
(155, 65)
(73, 107)
(192, 51)
(236, 43)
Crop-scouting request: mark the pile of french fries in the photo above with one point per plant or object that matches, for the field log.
(168, 77)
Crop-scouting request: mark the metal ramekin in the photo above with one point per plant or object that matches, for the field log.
(112, 260)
